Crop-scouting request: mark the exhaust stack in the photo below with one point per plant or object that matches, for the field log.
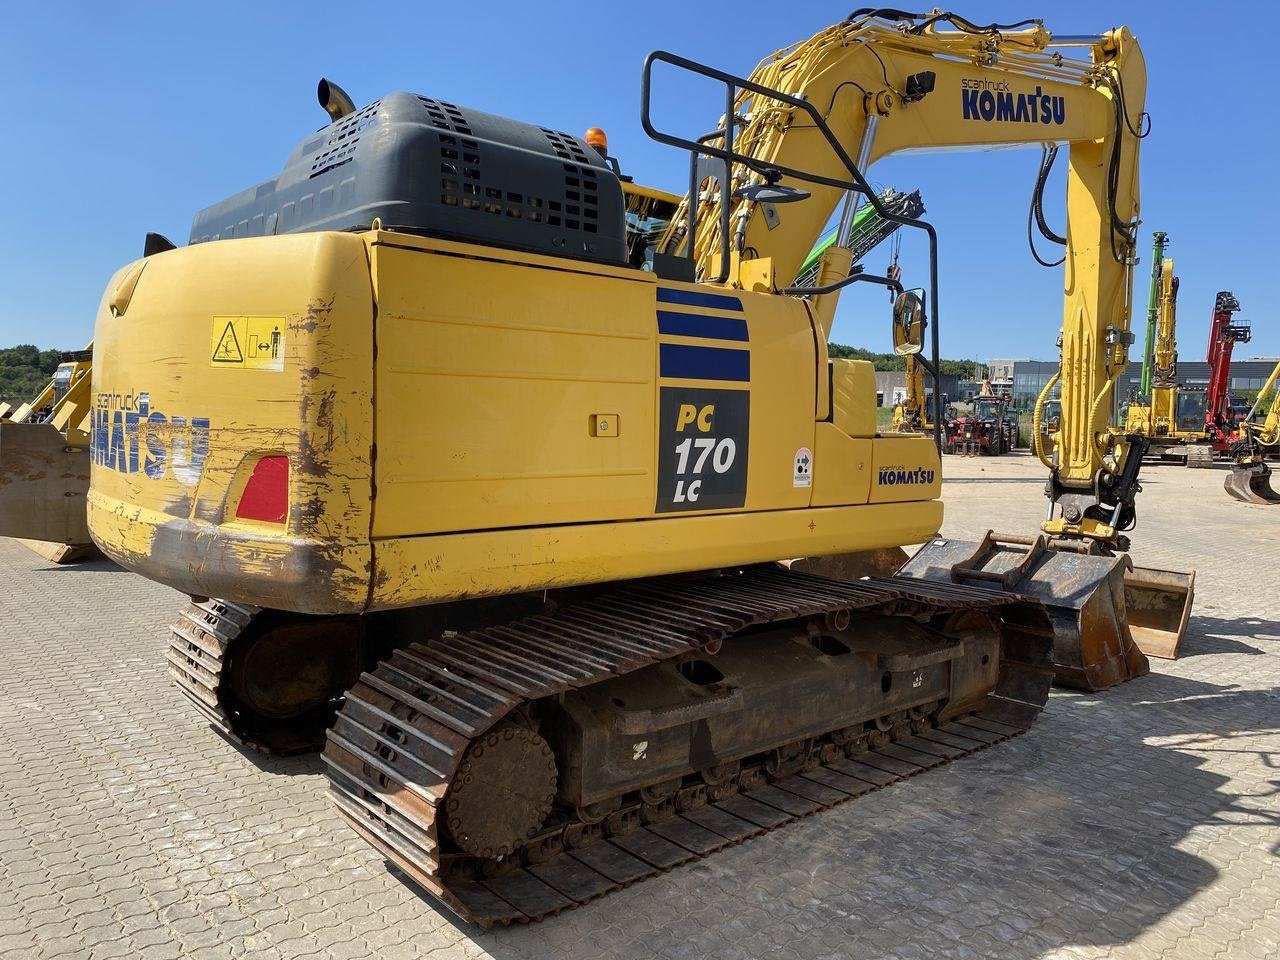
(335, 101)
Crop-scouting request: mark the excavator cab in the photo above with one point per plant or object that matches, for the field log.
(1189, 410)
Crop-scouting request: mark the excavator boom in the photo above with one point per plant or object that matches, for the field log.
(887, 87)
(1225, 331)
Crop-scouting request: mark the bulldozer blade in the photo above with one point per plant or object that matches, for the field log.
(1093, 646)
(1251, 483)
(43, 485)
(1158, 605)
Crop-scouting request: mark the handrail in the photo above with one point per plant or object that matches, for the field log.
(729, 156)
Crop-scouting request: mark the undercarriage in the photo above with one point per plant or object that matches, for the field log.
(524, 767)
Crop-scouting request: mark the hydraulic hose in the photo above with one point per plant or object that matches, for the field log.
(1037, 418)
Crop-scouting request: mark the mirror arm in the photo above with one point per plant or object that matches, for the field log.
(855, 277)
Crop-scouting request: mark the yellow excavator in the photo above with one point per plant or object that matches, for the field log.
(1171, 418)
(1156, 418)
(1250, 479)
(431, 443)
(44, 464)
(911, 415)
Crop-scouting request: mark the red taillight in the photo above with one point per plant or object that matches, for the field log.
(266, 495)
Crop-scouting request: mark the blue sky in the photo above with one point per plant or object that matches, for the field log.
(130, 117)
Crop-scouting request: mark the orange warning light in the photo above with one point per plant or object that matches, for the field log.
(595, 137)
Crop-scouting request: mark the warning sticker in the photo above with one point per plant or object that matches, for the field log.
(252, 343)
(802, 475)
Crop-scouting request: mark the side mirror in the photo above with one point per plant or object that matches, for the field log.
(908, 324)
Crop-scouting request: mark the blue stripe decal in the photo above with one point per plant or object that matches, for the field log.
(696, 325)
(693, 298)
(703, 363)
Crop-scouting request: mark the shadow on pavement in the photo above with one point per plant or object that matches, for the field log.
(1210, 635)
(298, 764)
(1069, 835)
(96, 565)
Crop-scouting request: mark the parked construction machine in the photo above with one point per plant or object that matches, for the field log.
(1250, 479)
(911, 415)
(1154, 412)
(44, 464)
(1170, 415)
(989, 429)
(412, 408)
(1225, 331)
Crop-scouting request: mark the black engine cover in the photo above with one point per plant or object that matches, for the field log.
(429, 167)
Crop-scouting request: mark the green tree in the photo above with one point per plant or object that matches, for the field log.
(892, 361)
(24, 371)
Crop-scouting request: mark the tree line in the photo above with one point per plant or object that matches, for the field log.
(24, 371)
(892, 361)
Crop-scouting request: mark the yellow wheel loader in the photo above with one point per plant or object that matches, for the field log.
(440, 431)
(44, 465)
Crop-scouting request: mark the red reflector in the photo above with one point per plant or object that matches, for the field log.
(266, 495)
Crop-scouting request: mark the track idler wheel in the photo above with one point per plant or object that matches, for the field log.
(502, 792)
(267, 679)
(1251, 483)
(286, 671)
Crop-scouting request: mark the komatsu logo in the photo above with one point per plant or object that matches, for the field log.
(990, 100)
(895, 476)
(128, 436)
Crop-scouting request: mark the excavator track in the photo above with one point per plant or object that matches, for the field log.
(442, 723)
(198, 643)
(305, 664)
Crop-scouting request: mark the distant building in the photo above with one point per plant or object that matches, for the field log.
(1000, 372)
(1030, 376)
(891, 387)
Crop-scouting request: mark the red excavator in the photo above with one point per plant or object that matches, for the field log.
(1225, 332)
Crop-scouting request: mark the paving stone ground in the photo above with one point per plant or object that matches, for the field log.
(1138, 823)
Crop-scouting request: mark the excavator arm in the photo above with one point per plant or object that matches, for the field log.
(882, 83)
(910, 415)
(1156, 415)
(1165, 355)
(808, 124)
(1267, 432)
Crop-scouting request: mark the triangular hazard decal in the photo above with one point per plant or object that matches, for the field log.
(228, 348)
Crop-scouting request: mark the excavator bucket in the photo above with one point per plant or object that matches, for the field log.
(1157, 605)
(1094, 646)
(1251, 483)
(43, 484)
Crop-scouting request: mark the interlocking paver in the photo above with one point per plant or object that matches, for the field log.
(1141, 822)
